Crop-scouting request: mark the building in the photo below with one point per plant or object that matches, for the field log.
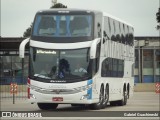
(12, 67)
(147, 60)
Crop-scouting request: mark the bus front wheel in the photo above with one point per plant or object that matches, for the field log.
(47, 106)
(106, 97)
(97, 106)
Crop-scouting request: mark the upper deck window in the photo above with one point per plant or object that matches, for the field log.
(62, 25)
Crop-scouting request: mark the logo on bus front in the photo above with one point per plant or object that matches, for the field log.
(57, 91)
(57, 81)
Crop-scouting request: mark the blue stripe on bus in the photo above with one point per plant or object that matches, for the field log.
(57, 25)
(89, 91)
(68, 25)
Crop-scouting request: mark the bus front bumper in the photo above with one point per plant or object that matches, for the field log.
(77, 98)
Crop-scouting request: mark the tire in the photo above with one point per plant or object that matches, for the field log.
(47, 106)
(106, 97)
(128, 88)
(124, 99)
(74, 105)
(97, 106)
(114, 103)
(127, 94)
(78, 105)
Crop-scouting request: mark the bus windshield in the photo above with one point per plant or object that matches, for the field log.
(60, 64)
(62, 25)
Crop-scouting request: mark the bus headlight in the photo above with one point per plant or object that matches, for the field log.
(83, 88)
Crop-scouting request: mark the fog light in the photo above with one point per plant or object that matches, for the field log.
(32, 96)
(85, 97)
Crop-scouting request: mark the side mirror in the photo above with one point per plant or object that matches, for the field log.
(22, 47)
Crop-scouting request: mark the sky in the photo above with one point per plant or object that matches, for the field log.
(17, 15)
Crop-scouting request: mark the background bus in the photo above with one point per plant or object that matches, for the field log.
(79, 57)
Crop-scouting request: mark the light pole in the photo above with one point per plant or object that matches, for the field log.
(54, 2)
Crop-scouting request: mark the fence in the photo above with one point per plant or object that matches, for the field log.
(5, 88)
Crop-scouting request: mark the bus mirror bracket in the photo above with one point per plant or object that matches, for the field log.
(22, 47)
(94, 48)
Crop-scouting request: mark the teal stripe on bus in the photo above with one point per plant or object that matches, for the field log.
(89, 91)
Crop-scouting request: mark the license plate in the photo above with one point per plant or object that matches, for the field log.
(57, 99)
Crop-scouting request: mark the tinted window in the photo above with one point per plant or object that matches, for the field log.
(62, 25)
(68, 65)
(112, 67)
(126, 34)
(122, 33)
(117, 31)
(131, 36)
(112, 29)
(106, 32)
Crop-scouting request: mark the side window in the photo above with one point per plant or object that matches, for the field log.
(106, 68)
(122, 33)
(112, 68)
(106, 32)
(126, 34)
(117, 31)
(120, 68)
(130, 36)
(115, 68)
(112, 29)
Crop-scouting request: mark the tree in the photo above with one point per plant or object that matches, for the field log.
(27, 33)
(58, 5)
(158, 18)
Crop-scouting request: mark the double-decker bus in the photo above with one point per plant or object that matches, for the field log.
(79, 57)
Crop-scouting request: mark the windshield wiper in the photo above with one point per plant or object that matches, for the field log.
(40, 76)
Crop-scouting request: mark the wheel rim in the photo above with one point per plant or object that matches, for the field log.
(101, 97)
(125, 97)
(106, 96)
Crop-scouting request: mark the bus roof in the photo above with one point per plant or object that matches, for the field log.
(115, 18)
(65, 10)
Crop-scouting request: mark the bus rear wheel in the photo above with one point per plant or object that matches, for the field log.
(47, 106)
(124, 99)
(120, 102)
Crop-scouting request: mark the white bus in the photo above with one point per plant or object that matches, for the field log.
(79, 57)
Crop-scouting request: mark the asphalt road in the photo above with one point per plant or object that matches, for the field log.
(141, 102)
